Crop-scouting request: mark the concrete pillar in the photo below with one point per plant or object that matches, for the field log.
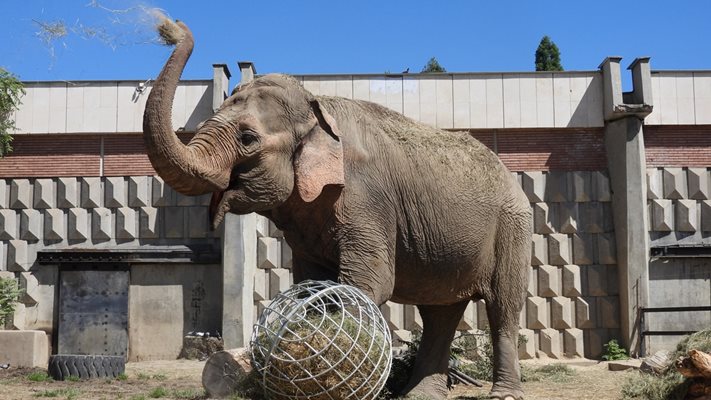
(239, 262)
(624, 143)
(247, 71)
(220, 84)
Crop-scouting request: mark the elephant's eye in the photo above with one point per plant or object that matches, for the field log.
(247, 138)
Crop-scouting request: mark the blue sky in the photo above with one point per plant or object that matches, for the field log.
(351, 36)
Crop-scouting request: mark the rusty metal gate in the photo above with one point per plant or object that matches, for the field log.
(93, 311)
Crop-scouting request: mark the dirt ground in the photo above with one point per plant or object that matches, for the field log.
(180, 379)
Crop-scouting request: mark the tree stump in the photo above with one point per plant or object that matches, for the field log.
(225, 371)
(697, 366)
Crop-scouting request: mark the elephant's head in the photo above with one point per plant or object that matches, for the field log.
(268, 137)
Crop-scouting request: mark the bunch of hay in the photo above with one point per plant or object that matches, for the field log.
(321, 340)
(669, 384)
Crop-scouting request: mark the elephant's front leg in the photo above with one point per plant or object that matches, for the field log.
(369, 267)
(429, 376)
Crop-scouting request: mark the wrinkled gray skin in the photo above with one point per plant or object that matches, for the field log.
(364, 196)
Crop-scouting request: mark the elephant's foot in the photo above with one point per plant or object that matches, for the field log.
(430, 387)
(504, 393)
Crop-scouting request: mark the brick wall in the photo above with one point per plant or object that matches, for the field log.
(678, 146)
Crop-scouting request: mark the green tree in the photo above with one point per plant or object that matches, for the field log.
(548, 56)
(433, 66)
(11, 91)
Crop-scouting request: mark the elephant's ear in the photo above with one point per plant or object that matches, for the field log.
(319, 158)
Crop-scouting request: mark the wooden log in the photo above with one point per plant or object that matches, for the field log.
(225, 370)
(702, 362)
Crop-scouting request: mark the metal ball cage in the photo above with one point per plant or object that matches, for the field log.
(322, 340)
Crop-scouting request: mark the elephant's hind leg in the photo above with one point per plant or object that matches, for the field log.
(429, 376)
(503, 307)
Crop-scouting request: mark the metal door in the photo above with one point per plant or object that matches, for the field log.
(93, 312)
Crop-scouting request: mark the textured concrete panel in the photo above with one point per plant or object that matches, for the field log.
(592, 217)
(261, 285)
(609, 311)
(556, 187)
(30, 289)
(481, 315)
(274, 231)
(148, 222)
(17, 256)
(559, 249)
(468, 321)
(91, 192)
(413, 320)
(527, 348)
(548, 281)
(286, 256)
(126, 227)
(101, 224)
(561, 313)
(401, 337)
(596, 338)
(572, 284)
(585, 309)
(596, 280)
(574, 342)
(534, 185)
(185, 201)
(582, 186)
(532, 288)
(4, 193)
(115, 193)
(162, 194)
(54, 228)
(698, 183)
(174, 219)
(278, 281)
(394, 314)
(601, 186)
(77, 224)
(262, 226)
(551, 343)
(197, 222)
(543, 218)
(8, 224)
(568, 217)
(674, 183)
(25, 349)
(661, 215)
(706, 215)
(583, 248)
(67, 193)
(655, 189)
(30, 225)
(536, 313)
(539, 250)
(139, 189)
(20, 194)
(606, 248)
(686, 219)
(44, 196)
(268, 253)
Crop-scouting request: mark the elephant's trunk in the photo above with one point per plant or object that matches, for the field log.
(186, 168)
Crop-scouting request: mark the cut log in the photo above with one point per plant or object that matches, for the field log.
(702, 362)
(225, 370)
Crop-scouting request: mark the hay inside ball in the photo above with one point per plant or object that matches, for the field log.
(322, 340)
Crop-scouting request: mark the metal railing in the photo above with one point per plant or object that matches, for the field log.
(644, 333)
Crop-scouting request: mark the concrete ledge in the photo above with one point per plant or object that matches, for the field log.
(24, 348)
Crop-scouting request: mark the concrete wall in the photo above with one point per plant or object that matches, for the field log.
(681, 98)
(166, 301)
(105, 106)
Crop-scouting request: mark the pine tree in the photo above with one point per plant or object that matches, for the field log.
(433, 66)
(548, 56)
(11, 90)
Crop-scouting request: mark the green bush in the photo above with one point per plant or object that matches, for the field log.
(613, 351)
(11, 92)
(9, 294)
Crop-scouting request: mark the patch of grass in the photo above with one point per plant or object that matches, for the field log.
(73, 378)
(122, 377)
(143, 377)
(159, 377)
(158, 392)
(67, 393)
(39, 377)
(670, 386)
(553, 372)
(613, 351)
(191, 394)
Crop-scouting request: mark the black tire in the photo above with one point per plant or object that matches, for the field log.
(62, 366)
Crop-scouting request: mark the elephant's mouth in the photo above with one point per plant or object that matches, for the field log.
(218, 207)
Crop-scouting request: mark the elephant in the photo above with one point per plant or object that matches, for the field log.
(365, 197)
